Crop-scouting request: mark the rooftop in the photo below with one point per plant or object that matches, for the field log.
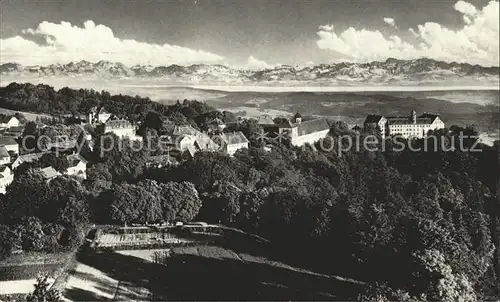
(312, 126)
(31, 157)
(373, 118)
(265, 120)
(4, 118)
(49, 173)
(233, 138)
(3, 152)
(186, 130)
(397, 120)
(7, 140)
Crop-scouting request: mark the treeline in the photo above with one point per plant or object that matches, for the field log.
(78, 102)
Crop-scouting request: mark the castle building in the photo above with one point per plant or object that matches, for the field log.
(405, 126)
(299, 132)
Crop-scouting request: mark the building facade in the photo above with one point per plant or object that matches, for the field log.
(121, 128)
(232, 142)
(411, 126)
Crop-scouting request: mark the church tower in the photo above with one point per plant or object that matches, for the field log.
(413, 117)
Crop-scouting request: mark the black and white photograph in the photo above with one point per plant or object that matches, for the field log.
(249, 150)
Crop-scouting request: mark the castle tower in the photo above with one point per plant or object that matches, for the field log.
(413, 116)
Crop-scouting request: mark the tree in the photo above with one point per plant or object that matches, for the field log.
(58, 161)
(180, 201)
(43, 292)
(22, 119)
(135, 203)
(222, 205)
(31, 233)
(9, 240)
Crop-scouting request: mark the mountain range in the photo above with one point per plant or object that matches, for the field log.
(392, 71)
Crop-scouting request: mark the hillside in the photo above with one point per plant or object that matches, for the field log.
(390, 72)
(234, 266)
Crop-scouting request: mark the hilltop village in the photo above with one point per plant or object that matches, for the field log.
(113, 171)
(186, 139)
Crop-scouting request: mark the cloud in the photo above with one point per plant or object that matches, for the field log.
(466, 8)
(254, 63)
(64, 43)
(390, 21)
(476, 42)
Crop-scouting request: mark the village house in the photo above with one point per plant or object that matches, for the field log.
(8, 121)
(27, 158)
(121, 128)
(4, 156)
(10, 144)
(232, 142)
(77, 166)
(187, 138)
(98, 115)
(6, 178)
(405, 126)
(300, 132)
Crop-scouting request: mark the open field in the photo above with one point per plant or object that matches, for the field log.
(18, 272)
(233, 267)
(29, 116)
(18, 286)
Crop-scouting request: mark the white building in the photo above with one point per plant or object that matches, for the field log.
(301, 132)
(406, 126)
(10, 144)
(187, 138)
(8, 121)
(77, 166)
(6, 178)
(232, 142)
(121, 128)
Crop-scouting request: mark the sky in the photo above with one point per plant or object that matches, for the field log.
(252, 34)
